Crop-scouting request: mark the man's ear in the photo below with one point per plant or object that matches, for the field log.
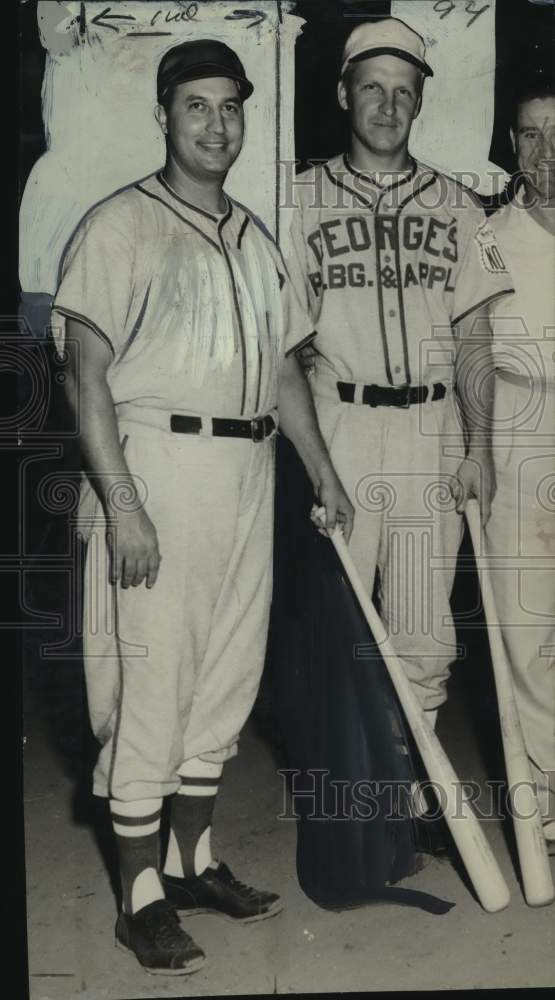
(161, 118)
(342, 96)
(513, 139)
(418, 107)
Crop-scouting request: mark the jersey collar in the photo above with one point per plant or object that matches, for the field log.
(207, 225)
(407, 175)
(165, 189)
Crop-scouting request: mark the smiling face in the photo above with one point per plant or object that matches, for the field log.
(534, 144)
(204, 125)
(382, 95)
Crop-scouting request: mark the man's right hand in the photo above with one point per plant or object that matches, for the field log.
(134, 553)
(307, 357)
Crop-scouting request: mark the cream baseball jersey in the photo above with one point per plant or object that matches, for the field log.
(388, 272)
(524, 323)
(195, 308)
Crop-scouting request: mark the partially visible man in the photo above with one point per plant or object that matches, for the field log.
(520, 533)
(180, 324)
(396, 264)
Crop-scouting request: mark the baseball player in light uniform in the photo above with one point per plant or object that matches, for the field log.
(520, 533)
(178, 316)
(397, 266)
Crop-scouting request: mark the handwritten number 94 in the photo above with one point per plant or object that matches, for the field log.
(445, 7)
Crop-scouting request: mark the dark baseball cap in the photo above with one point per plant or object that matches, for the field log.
(198, 60)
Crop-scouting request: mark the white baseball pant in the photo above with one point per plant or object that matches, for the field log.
(520, 539)
(172, 672)
(396, 465)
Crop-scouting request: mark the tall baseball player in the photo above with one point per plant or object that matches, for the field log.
(177, 315)
(397, 265)
(520, 534)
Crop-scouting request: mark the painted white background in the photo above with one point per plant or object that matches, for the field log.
(453, 131)
(99, 95)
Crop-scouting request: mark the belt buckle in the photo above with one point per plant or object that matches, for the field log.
(257, 429)
(406, 399)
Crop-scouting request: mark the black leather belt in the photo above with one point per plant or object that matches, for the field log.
(381, 395)
(256, 430)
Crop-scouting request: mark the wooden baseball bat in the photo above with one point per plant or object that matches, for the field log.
(481, 865)
(532, 852)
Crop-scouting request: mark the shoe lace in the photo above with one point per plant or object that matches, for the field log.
(245, 890)
(165, 926)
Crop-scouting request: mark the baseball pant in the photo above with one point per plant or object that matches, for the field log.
(172, 672)
(396, 466)
(520, 540)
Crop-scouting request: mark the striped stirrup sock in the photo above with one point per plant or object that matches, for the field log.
(189, 851)
(137, 829)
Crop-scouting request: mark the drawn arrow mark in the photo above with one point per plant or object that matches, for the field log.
(257, 16)
(101, 20)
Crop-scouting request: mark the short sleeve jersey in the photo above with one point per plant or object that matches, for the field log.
(524, 323)
(174, 292)
(388, 272)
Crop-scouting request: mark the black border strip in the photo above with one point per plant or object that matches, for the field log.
(237, 309)
(401, 301)
(259, 383)
(136, 820)
(199, 781)
(155, 197)
(393, 50)
(228, 213)
(244, 225)
(137, 325)
(484, 302)
(194, 208)
(70, 314)
(278, 121)
(366, 177)
(335, 180)
(385, 348)
(428, 183)
(121, 674)
(302, 343)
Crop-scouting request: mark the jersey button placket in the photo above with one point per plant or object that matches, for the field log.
(225, 244)
(390, 298)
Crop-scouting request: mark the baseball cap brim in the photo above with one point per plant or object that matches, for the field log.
(389, 50)
(203, 71)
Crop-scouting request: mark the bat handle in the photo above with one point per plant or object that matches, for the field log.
(532, 851)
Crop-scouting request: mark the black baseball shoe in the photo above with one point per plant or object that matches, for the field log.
(157, 939)
(217, 891)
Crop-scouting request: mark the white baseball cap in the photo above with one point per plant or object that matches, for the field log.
(389, 36)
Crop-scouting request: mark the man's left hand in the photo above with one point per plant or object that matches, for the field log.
(475, 478)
